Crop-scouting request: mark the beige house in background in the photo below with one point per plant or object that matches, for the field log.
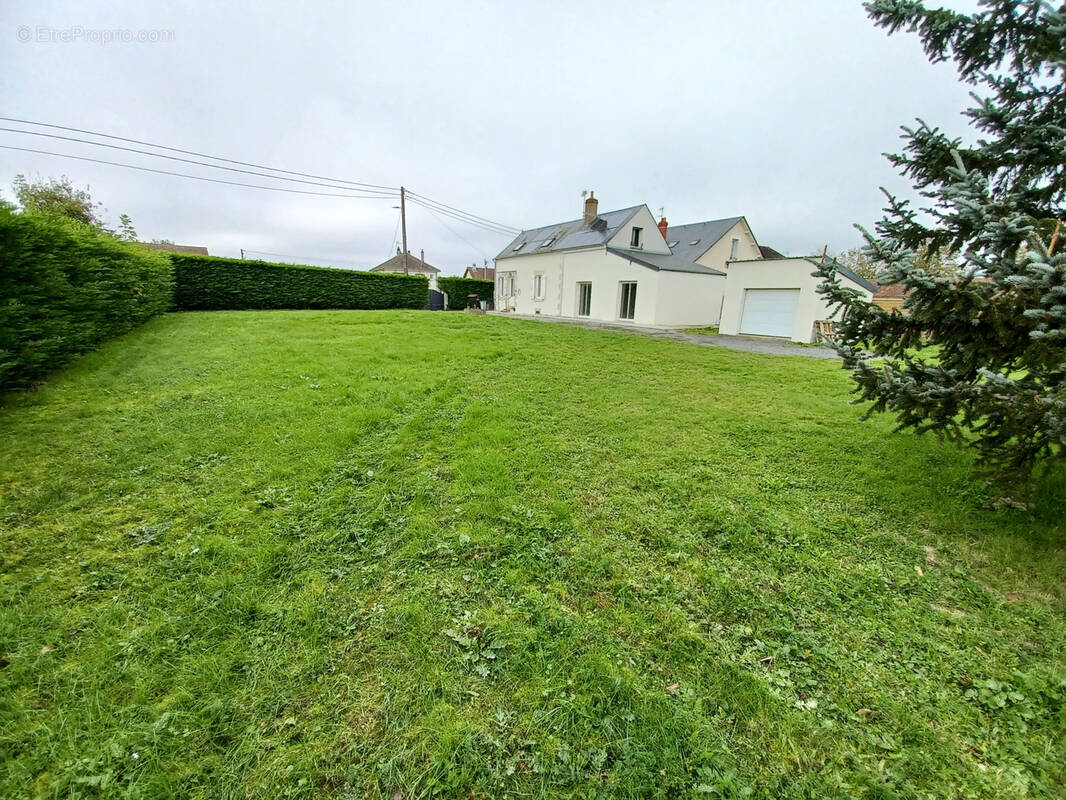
(415, 266)
(890, 297)
(623, 266)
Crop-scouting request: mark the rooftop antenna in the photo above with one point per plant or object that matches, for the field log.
(662, 211)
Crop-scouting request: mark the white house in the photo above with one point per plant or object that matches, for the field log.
(622, 266)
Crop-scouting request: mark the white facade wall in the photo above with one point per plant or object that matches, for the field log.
(651, 237)
(563, 271)
(688, 300)
(664, 299)
(778, 273)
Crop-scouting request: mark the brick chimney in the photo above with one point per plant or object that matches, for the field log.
(663, 226)
(591, 204)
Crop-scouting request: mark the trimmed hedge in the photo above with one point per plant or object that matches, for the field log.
(209, 283)
(457, 290)
(66, 286)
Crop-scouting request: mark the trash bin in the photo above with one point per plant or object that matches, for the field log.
(484, 305)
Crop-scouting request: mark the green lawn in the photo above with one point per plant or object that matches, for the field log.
(399, 554)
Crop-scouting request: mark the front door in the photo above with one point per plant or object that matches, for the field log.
(505, 291)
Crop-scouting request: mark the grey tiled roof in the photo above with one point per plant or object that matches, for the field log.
(696, 239)
(569, 235)
(664, 262)
(692, 241)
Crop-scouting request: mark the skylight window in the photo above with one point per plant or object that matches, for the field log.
(518, 247)
(694, 242)
(673, 244)
(547, 242)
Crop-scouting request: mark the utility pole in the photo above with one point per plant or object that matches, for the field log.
(242, 254)
(403, 224)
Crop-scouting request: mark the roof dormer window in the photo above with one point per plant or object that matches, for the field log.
(635, 238)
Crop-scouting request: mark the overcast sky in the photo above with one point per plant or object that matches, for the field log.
(778, 111)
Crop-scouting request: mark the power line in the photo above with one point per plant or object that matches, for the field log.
(369, 189)
(189, 160)
(491, 228)
(444, 206)
(455, 232)
(194, 177)
(194, 153)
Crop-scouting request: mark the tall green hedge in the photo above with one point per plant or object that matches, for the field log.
(457, 290)
(66, 286)
(207, 283)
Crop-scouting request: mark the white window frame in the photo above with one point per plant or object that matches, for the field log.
(577, 309)
(539, 286)
(636, 240)
(734, 249)
(621, 300)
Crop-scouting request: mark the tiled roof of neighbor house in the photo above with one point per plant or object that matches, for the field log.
(395, 264)
(769, 252)
(692, 241)
(569, 235)
(176, 248)
(891, 291)
(814, 260)
(481, 273)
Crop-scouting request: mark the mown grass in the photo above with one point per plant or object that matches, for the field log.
(399, 554)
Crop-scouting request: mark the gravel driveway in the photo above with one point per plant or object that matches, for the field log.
(748, 344)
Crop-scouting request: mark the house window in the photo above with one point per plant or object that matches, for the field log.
(584, 299)
(734, 246)
(505, 284)
(628, 306)
(634, 240)
(538, 286)
(547, 242)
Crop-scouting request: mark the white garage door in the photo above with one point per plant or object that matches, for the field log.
(769, 312)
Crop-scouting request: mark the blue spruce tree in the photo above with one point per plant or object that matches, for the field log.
(979, 355)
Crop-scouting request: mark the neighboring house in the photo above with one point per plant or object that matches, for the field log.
(169, 247)
(480, 273)
(779, 297)
(622, 266)
(415, 266)
(890, 296)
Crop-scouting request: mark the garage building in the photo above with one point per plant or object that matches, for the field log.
(779, 297)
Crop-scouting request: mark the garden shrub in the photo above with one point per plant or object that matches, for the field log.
(457, 290)
(209, 283)
(66, 286)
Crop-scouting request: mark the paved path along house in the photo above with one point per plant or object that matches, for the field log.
(773, 347)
